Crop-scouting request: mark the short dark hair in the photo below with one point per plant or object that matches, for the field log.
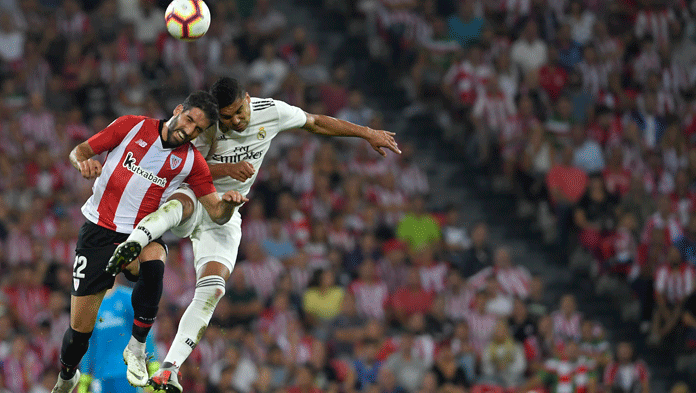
(204, 101)
(227, 90)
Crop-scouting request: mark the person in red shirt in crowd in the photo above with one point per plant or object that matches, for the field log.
(616, 177)
(553, 77)
(412, 298)
(566, 185)
(607, 130)
(626, 374)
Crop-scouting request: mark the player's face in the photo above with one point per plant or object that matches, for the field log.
(236, 115)
(185, 125)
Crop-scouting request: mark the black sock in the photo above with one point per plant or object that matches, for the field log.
(146, 296)
(71, 352)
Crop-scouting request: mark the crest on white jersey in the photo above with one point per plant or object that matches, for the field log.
(262, 133)
(174, 161)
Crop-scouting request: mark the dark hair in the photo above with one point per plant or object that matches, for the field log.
(227, 90)
(205, 102)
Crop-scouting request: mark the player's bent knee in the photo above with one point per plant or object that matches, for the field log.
(153, 251)
(210, 289)
(187, 204)
(213, 268)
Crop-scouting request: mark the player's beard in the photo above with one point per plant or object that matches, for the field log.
(172, 129)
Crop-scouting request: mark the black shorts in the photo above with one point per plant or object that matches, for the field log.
(95, 246)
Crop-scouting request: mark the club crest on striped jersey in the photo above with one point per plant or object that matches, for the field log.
(174, 161)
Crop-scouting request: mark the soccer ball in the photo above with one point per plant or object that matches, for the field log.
(187, 20)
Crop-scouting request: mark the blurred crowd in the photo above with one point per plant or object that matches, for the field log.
(345, 280)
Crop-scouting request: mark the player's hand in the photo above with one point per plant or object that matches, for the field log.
(379, 139)
(234, 197)
(90, 168)
(241, 171)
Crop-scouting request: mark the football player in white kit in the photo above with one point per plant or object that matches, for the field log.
(234, 149)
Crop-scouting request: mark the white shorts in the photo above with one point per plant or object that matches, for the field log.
(211, 242)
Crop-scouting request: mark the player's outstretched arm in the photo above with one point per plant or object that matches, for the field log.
(220, 209)
(81, 159)
(326, 125)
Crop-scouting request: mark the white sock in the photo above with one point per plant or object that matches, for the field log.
(155, 224)
(136, 346)
(209, 290)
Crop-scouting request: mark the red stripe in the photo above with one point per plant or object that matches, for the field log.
(142, 324)
(113, 192)
(153, 195)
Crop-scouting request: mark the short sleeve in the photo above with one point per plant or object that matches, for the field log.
(110, 137)
(289, 116)
(199, 180)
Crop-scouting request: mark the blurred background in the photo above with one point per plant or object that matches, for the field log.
(537, 233)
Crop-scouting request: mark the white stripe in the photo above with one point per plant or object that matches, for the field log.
(137, 187)
(89, 209)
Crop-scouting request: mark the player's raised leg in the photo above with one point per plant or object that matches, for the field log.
(178, 208)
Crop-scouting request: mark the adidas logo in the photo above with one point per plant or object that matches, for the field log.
(141, 143)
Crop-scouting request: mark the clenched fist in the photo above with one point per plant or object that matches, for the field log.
(241, 171)
(90, 168)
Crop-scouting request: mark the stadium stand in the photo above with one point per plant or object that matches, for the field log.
(536, 234)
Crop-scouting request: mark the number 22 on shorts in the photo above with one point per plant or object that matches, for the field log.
(78, 267)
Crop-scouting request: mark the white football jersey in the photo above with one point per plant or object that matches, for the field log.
(268, 118)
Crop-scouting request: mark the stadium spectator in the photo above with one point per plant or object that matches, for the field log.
(626, 373)
(503, 363)
(269, 69)
(417, 227)
(674, 282)
(529, 52)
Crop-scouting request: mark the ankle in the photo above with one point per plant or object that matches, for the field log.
(169, 366)
(136, 346)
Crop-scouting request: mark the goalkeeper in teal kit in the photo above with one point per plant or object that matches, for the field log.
(102, 365)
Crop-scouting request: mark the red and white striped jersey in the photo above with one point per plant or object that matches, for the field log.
(481, 327)
(370, 298)
(300, 276)
(675, 78)
(458, 304)
(670, 225)
(433, 277)
(262, 275)
(566, 328)
(626, 376)
(646, 62)
(493, 108)
(654, 23)
(595, 76)
(139, 173)
(466, 79)
(674, 284)
(514, 280)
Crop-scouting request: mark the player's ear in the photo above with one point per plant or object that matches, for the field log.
(179, 108)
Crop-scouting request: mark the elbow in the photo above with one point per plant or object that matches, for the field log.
(222, 220)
